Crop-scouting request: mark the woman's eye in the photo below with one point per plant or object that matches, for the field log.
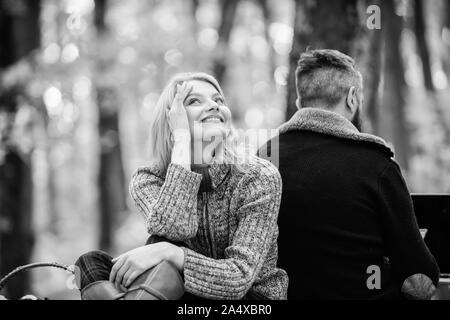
(193, 101)
(220, 101)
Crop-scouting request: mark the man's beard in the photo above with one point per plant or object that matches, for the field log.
(357, 119)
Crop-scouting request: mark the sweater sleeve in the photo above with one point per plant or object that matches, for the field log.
(230, 278)
(168, 205)
(411, 260)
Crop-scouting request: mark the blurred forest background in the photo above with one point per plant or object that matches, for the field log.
(79, 79)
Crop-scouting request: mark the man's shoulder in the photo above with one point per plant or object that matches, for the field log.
(291, 141)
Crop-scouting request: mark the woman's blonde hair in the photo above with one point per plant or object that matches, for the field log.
(160, 142)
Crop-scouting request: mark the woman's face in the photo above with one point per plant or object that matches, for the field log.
(209, 118)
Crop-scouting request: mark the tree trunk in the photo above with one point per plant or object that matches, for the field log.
(17, 238)
(111, 180)
(228, 13)
(321, 24)
(52, 193)
(19, 36)
(369, 61)
(267, 20)
(194, 7)
(19, 25)
(422, 45)
(99, 16)
(392, 124)
(372, 77)
(111, 176)
(447, 14)
(447, 25)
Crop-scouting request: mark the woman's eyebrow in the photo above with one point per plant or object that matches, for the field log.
(194, 94)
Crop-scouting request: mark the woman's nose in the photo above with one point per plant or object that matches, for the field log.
(213, 106)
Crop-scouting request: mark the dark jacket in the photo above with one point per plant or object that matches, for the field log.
(346, 211)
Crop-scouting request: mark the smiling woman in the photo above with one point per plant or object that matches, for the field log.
(208, 120)
(214, 120)
(212, 217)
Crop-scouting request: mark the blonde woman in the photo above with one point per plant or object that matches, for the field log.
(210, 207)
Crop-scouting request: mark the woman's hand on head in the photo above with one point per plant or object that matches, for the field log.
(179, 127)
(130, 265)
(177, 116)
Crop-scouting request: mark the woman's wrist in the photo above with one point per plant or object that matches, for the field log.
(181, 135)
(175, 255)
(181, 152)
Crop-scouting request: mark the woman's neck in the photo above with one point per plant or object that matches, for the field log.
(204, 153)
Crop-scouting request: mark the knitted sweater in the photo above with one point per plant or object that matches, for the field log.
(230, 233)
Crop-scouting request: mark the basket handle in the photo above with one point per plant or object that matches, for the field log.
(17, 270)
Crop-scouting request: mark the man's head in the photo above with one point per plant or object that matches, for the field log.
(328, 79)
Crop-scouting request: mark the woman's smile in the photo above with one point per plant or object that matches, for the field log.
(213, 119)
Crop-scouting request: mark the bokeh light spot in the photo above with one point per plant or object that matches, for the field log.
(254, 117)
(70, 53)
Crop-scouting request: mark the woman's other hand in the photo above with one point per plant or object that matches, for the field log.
(130, 265)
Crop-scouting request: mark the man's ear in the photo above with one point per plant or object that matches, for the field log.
(352, 100)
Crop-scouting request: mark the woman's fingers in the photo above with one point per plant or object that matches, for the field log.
(185, 91)
(130, 278)
(176, 114)
(120, 273)
(179, 96)
(114, 260)
(177, 102)
(116, 267)
(126, 276)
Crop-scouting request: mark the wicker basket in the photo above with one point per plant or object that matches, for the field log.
(9, 276)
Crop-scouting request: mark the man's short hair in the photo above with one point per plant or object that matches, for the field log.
(324, 77)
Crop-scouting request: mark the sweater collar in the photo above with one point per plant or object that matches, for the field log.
(330, 123)
(213, 174)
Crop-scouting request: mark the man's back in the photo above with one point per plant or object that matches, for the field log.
(337, 222)
(347, 223)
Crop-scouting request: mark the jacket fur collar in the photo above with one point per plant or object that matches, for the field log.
(330, 123)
